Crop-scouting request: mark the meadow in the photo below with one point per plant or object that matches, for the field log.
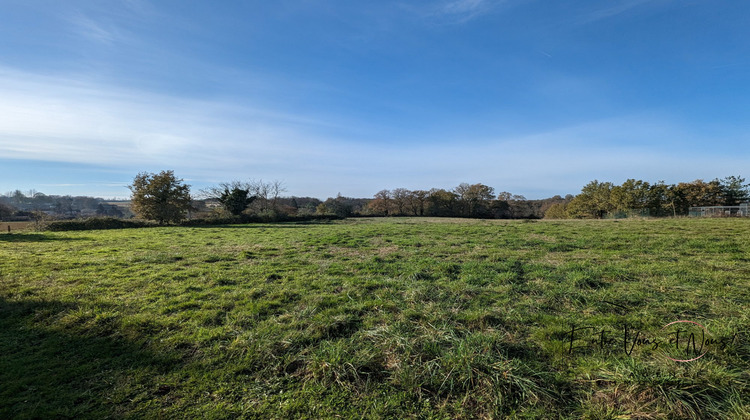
(373, 318)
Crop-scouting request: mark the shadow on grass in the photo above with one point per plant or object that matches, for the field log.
(48, 372)
(33, 237)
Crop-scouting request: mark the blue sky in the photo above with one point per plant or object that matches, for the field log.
(351, 97)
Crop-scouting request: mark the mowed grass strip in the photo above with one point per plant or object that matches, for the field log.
(402, 318)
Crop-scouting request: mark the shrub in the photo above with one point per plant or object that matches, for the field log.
(95, 223)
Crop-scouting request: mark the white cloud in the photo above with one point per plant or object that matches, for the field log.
(71, 121)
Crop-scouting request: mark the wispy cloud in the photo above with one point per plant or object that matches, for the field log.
(464, 6)
(96, 31)
(457, 11)
(618, 8)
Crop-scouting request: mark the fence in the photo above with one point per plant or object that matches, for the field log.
(721, 211)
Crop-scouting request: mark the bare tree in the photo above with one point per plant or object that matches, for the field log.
(275, 189)
(267, 194)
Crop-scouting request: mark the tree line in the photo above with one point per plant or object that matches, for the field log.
(596, 200)
(165, 198)
(32, 204)
(465, 200)
(637, 197)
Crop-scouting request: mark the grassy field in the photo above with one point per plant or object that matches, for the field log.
(401, 318)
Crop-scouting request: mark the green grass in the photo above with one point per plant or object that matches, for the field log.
(401, 318)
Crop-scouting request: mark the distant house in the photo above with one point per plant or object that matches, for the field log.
(212, 203)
